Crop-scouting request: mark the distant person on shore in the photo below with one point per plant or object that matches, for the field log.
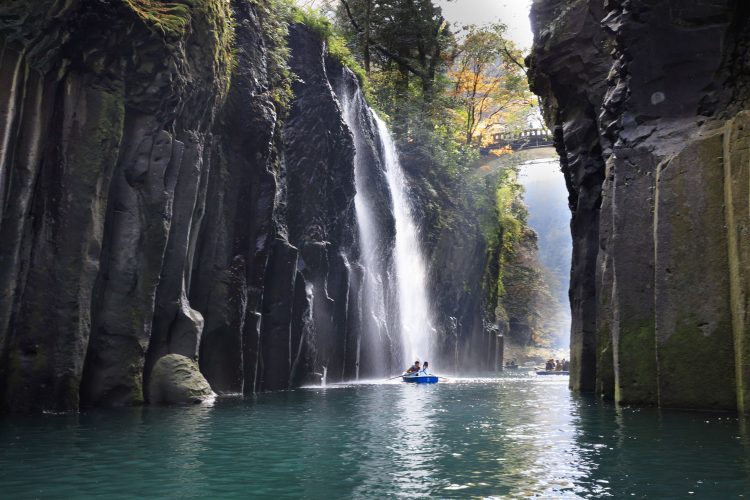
(413, 368)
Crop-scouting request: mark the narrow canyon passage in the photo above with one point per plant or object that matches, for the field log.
(374, 248)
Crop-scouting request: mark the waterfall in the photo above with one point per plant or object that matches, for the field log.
(411, 273)
(396, 325)
(374, 335)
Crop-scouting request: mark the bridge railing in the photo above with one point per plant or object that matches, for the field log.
(525, 139)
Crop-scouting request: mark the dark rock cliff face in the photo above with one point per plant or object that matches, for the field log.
(152, 203)
(646, 100)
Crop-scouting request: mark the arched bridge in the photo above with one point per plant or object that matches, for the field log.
(517, 141)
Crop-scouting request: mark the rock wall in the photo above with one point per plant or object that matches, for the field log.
(463, 271)
(463, 266)
(153, 202)
(646, 102)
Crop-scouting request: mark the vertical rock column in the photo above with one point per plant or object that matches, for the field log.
(237, 222)
(176, 326)
(693, 321)
(319, 167)
(662, 275)
(737, 202)
(57, 250)
(139, 220)
(278, 302)
(569, 68)
(631, 249)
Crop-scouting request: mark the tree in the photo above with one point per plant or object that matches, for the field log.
(488, 79)
(410, 34)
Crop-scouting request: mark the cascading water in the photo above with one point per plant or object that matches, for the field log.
(375, 334)
(411, 272)
(394, 288)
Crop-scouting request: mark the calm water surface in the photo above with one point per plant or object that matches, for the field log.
(516, 436)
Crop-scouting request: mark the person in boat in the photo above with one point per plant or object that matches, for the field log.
(566, 365)
(550, 366)
(415, 368)
(425, 367)
(558, 365)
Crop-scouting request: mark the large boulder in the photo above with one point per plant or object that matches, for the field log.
(176, 379)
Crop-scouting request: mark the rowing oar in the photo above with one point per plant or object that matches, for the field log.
(406, 375)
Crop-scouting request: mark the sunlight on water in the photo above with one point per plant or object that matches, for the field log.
(516, 436)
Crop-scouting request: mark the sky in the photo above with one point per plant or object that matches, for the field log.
(514, 13)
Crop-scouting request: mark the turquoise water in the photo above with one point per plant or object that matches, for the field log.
(517, 436)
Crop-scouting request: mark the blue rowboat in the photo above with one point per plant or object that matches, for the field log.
(420, 379)
(552, 372)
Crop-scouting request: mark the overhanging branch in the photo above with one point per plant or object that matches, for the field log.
(385, 52)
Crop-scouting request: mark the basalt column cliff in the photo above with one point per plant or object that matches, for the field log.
(650, 106)
(160, 196)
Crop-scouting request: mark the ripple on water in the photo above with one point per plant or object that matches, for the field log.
(512, 436)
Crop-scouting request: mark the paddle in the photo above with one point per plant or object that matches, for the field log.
(406, 375)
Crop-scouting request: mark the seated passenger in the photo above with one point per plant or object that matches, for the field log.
(425, 367)
(414, 368)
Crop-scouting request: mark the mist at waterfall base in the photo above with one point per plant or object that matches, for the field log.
(546, 198)
(396, 318)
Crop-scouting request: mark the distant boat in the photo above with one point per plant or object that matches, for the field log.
(420, 379)
(552, 372)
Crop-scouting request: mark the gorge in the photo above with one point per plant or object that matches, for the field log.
(227, 226)
(178, 192)
(206, 179)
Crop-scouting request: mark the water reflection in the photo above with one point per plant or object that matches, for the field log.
(513, 437)
(415, 448)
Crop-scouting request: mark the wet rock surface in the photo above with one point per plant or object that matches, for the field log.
(154, 206)
(643, 98)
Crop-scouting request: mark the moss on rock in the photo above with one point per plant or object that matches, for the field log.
(693, 319)
(176, 379)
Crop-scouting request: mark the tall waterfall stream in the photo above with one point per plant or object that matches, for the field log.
(394, 291)
(411, 272)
